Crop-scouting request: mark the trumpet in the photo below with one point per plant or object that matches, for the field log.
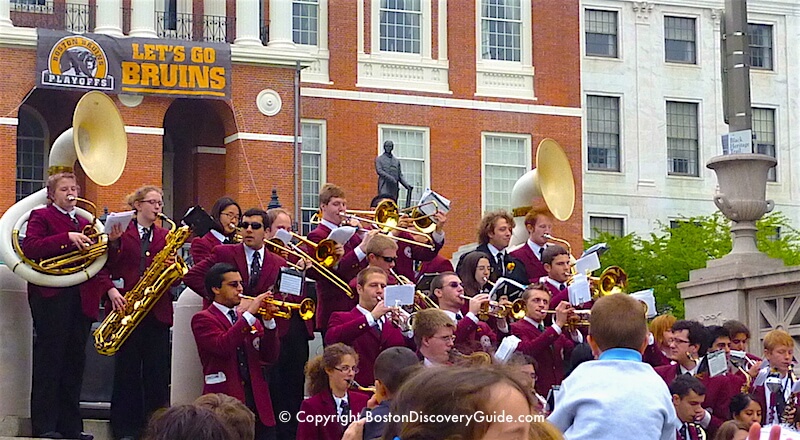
(235, 238)
(577, 318)
(305, 309)
(276, 246)
(495, 309)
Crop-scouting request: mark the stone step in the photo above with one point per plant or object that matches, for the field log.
(19, 428)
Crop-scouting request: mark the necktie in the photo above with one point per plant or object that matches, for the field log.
(144, 249)
(541, 327)
(227, 241)
(74, 220)
(255, 269)
(562, 286)
(459, 317)
(541, 253)
(501, 263)
(232, 314)
(344, 412)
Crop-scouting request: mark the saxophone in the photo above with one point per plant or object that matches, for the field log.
(789, 416)
(118, 325)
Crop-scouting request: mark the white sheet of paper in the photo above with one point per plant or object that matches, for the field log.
(118, 218)
(588, 264)
(399, 295)
(342, 234)
(291, 284)
(442, 203)
(498, 288)
(579, 290)
(717, 363)
(506, 348)
(284, 236)
(648, 298)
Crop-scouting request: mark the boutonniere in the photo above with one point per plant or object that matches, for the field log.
(510, 266)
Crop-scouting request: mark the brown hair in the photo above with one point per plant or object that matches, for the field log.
(139, 194)
(729, 429)
(186, 422)
(428, 321)
(777, 337)
(488, 222)
(236, 416)
(449, 391)
(466, 271)
(316, 376)
(533, 215)
(618, 321)
(659, 325)
(365, 273)
(53, 180)
(551, 252)
(526, 294)
(328, 192)
(735, 327)
(378, 244)
(273, 214)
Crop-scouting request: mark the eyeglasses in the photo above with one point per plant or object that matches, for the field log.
(447, 338)
(389, 259)
(229, 214)
(235, 284)
(255, 225)
(346, 369)
(679, 341)
(154, 202)
(455, 284)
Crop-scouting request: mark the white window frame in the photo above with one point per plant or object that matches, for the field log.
(398, 70)
(605, 217)
(700, 161)
(773, 60)
(620, 121)
(526, 159)
(507, 79)
(617, 42)
(318, 71)
(426, 152)
(772, 175)
(697, 36)
(316, 31)
(323, 135)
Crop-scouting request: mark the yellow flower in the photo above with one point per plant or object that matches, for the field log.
(510, 266)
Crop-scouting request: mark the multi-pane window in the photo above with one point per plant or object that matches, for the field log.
(400, 25)
(603, 132)
(764, 131)
(601, 33)
(682, 138)
(501, 30)
(610, 225)
(410, 146)
(313, 169)
(305, 21)
(31, 154)
(760, 45)
(505, 160)
(680, 44)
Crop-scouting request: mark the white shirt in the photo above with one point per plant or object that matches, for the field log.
(576, 335)
(371, 321)
(536, 249)
(71, 213)
(494, 252)
(786, 387)
(141, 230)
(218, 235)
(553, 282)
(359, 252)
(338, 401)
(249, 252)
(454, 315)
(269, 324)
(693, 371)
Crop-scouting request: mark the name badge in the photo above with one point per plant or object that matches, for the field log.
(212, 379)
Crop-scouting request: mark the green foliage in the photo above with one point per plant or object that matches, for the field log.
(666, 257)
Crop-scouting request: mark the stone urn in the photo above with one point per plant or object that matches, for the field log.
(741, 195)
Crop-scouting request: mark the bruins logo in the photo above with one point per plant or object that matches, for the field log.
(78, 61)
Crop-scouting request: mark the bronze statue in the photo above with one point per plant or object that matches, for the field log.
(390, 177)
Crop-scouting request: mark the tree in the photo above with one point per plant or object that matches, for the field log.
(666, 257)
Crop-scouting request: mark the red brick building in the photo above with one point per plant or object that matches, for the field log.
(466, 90)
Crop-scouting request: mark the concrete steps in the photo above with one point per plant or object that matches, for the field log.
(20, 428)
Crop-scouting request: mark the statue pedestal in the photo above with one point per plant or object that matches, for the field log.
(187, 371)
(16, 354)
(749, 287)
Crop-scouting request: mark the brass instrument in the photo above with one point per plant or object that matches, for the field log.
(235, 238)
(386, 217)
(324, 252)
(491, 308)
(356, 386)
(420, 298)
(474, 359)
(276, 246)
(572, 259)
(424, 223)
(305, 309)
(578, 318)
(789, 416)
(157, 279)
(612, 280)
(97, 140)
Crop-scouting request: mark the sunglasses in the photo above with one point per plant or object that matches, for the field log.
(455, 284)
(255, 225)
(389, 259)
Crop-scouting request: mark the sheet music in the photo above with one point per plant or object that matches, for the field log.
(579, 290)
(399, 295)
(506, 348)
(342, 234)
(588, 264)
(290, 283)
(118, 218)
(717, 363)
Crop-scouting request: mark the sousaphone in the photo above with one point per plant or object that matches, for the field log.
(98, 141)
(551, 180)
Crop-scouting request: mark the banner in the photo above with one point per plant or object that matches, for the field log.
(142, 66)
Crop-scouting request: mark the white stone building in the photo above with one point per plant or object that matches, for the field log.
(652, 102)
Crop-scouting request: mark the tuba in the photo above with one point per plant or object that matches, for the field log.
(157, 279)
(98, 141)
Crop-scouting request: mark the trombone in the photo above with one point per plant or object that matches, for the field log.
(305, 309)
(419, 297)
(324, 251)
(386, 217)
(423, 222)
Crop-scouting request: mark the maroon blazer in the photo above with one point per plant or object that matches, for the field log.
(322, 404)
(719, 391)
(548, 348)
(469, 334)
(351, 328)
(407, 253)
(217, 341)
(438, 265)
(654, 356)
(123, 262)
(556, 295)
(533, 266)
(329, 297)
(201, 247)
(234, 254)
(48, 236)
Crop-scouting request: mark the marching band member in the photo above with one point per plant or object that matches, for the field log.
(548, 345)
(433, 334)
(739, 334)
(474, 272)
(332, 205)
(688, 394)
(226, 213)
(381, 252)
(779, 353)
(556, 263)
(661, 331)
(745, 409)
(62, 317)
(287, 381)
(330, 376)
(438, 264)
(366, 327)
(407, 253)
(538, 223)
(235, 346)
(494, 236)
(141, 366)
(471, 333)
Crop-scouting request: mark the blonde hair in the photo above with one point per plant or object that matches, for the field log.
(777, 337)
(661, 324)
(237, 417)
(378, 244)
(139, 194)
